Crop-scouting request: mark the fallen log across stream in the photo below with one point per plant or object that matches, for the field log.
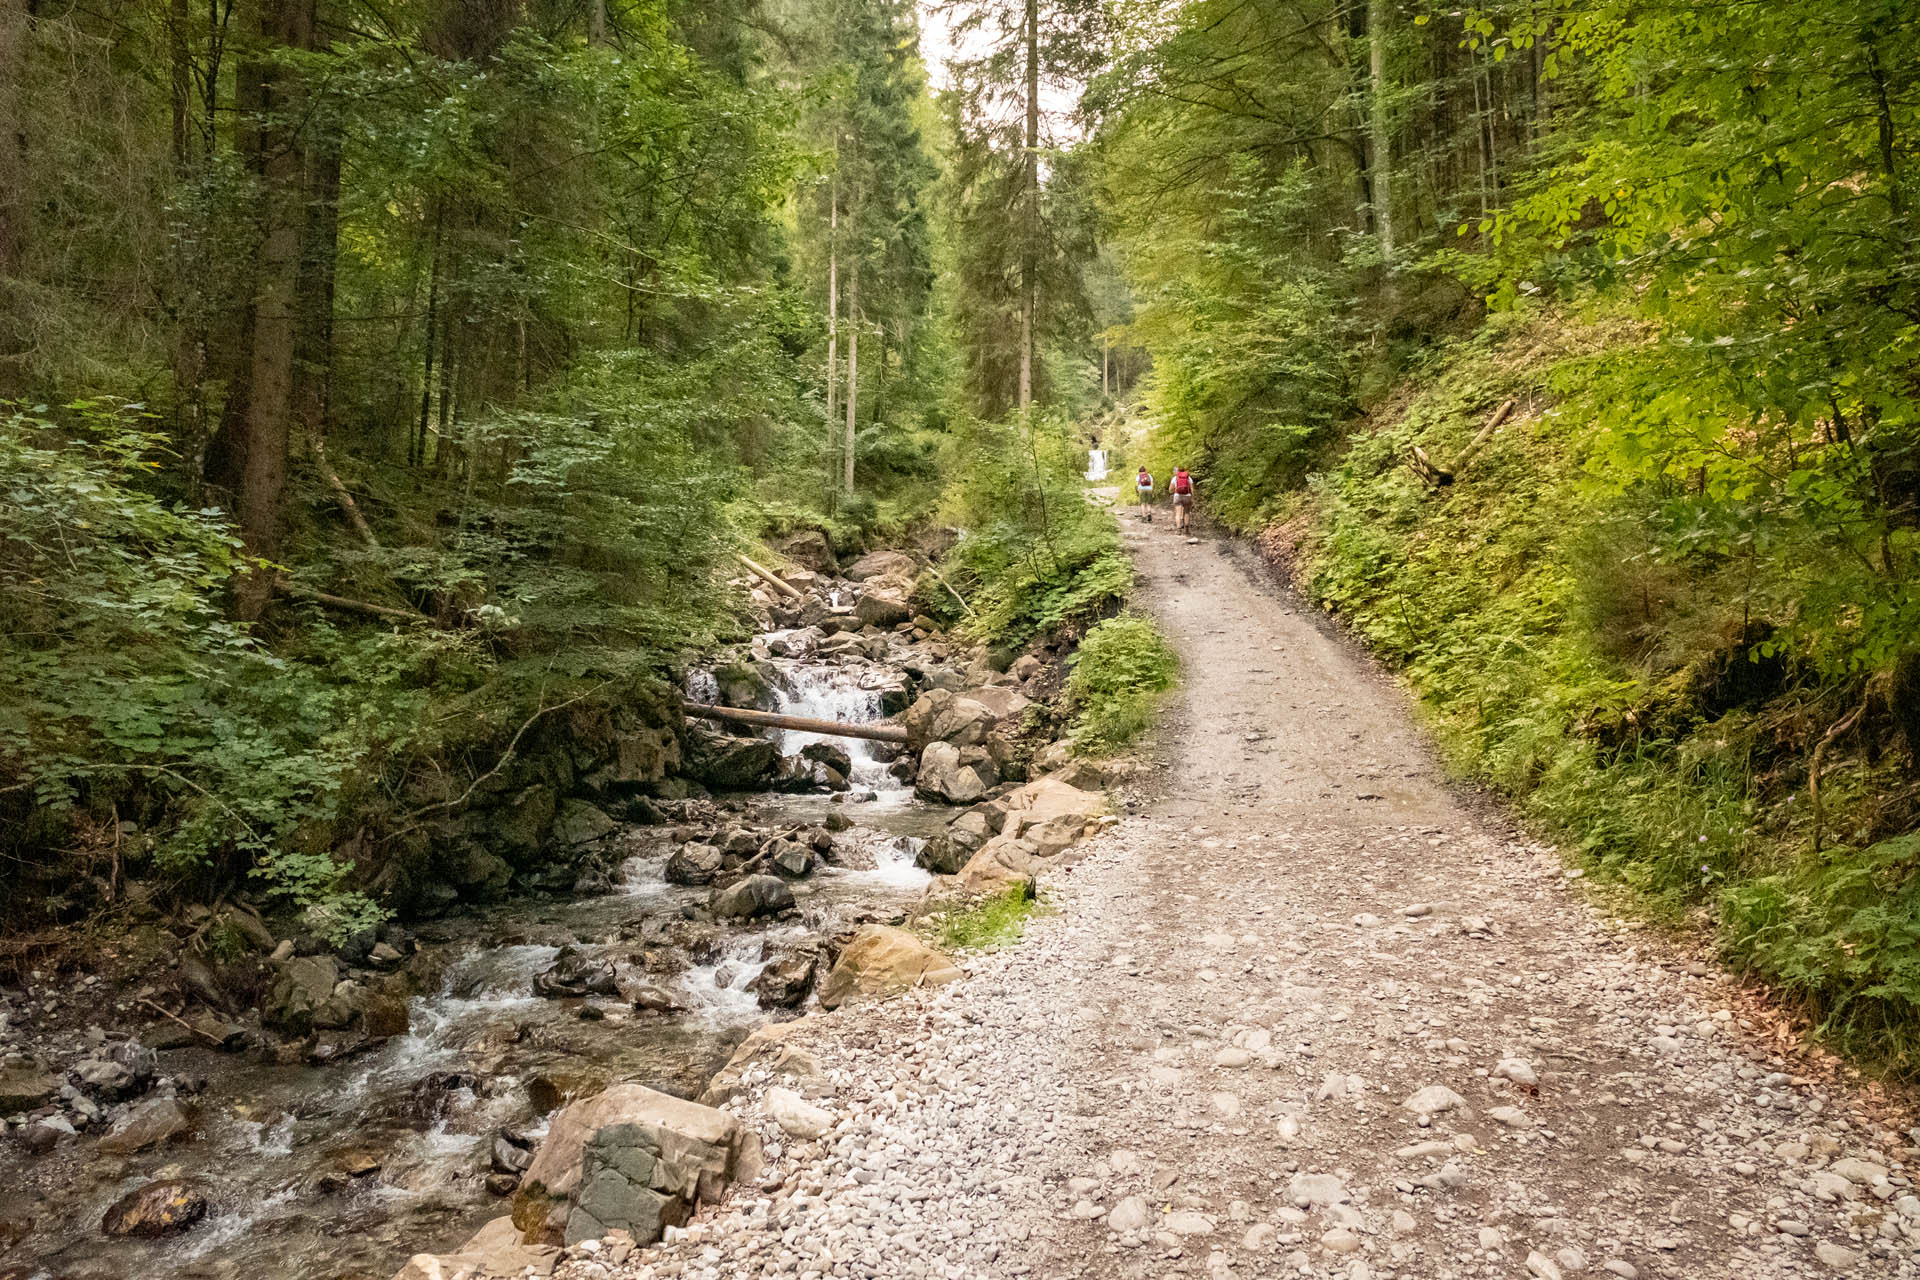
(805, 724)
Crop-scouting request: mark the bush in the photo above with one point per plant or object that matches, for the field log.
(1119, 673)
(997, 921)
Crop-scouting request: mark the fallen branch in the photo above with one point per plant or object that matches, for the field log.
(211, 1039)
(357, 606)
(347, 504)
(805, 724)
(950, 591)
(1481, 437)
(772, 579)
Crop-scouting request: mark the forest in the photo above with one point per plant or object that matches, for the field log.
(376, 380)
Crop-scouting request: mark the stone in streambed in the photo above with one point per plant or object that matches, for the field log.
(695, 864)
(161, 1120)
(158, 1209)
(575, 973)
(753, 896)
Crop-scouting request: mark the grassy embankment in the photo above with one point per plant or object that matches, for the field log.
(1636, 703)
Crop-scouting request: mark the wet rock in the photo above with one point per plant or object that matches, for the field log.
(696, 864)
(788, 858)
(785, 983)
(648, 998)
(575, 973)
(827, 754)
(942, 856)
(518, 825)
(578, 822)
(157, 1209)
(125, 1071)
(728, 763)
(628, 1159)
(302, 985)
(883, 961)
(753, 896)
(160, 1121)
(24, 1088)
(341, 1009)
(494, 1250)
(509, 1156)
(385, 1016)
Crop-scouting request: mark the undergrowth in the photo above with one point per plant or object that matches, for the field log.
(996, 921)
(1121, 669)
(1629, 681)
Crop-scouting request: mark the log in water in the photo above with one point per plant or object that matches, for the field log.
(805, 724)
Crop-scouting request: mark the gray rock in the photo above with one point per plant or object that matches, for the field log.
(1131, 1214)
(578, 823)
(24, 1088)
(696, 864)
(753, 896)
(153, 1123)
(302, 986)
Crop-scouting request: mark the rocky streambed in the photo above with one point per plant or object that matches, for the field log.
(363, 1101)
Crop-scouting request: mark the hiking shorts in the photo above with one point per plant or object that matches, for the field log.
(1182, 499)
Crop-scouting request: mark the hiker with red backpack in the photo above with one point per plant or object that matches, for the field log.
(1181, 487)
(1143, 489)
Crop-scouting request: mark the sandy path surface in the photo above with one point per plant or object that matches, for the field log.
(1304, 1012)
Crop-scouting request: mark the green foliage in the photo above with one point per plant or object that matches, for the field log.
(991, 922)
(1122, 667)
(1038, 554)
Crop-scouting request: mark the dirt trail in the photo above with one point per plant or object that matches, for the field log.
(1202, 1065)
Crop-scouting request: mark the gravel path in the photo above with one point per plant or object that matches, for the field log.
(1306, 1013)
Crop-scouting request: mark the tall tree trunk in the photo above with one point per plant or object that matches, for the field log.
(284, 24)
(853, 365)
(417, 449)
(833, 314)
(1382, 160)
(319, 252)
(1030, 230)
(15, 27)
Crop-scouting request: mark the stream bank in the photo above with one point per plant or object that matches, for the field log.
(232, 1097)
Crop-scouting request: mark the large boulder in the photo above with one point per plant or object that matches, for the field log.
(695, 864)
(883, 961)
(728, 763)
(302, 986)
(882, 564)
(753, 896)
(946, 777)
(941, 715)
(785, 982)
(519, 823)
(810, 550)
(643, 755)
(631, 1159)
(1004, 701)
(881, 608)
(999, 865)
(578, 823)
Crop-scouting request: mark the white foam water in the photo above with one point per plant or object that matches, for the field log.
(832, 693)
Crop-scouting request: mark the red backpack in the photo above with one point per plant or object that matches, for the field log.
(1182, 482)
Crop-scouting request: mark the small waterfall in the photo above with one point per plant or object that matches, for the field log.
(828, 693)
(701, 687)
(1096, 464)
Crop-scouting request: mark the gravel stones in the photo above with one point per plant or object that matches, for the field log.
(1434, 1100)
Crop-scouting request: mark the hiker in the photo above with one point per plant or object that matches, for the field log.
(1181, 487)
(1143, 486)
